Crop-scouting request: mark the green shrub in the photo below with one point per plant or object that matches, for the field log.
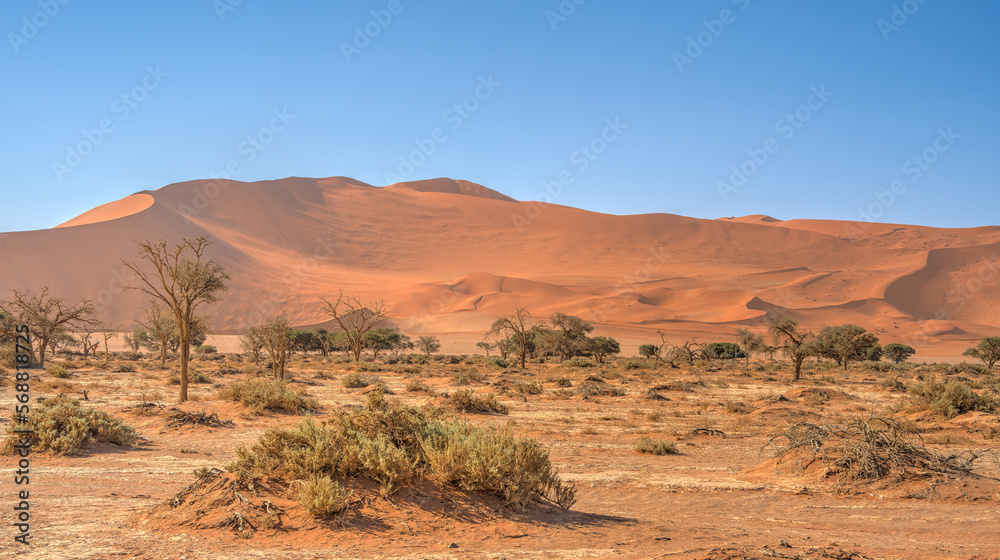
(259, 394)
(494, 361)
(322, 497)
(465, 400)
(205, 349)
(951, 398)
(660, 447)
(578, 361)
(356, 381)
(58, 371)
(62, 426)
(395, 445)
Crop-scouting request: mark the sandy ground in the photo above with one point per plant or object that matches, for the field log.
(713, 499)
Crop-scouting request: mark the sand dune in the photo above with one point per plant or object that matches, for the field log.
(450, 256)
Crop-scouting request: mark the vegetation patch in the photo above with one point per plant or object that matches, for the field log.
(260, 394)
(656, 447)
(951, 398)
(63, 427)
(465, 400)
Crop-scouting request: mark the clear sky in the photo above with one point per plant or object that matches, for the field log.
(641, 106)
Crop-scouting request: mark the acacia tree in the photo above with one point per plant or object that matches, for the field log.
(47, 316)
(795, 344)
(898, 353)
(750, 343)
(988, 350)
(519, 328)
(429, 344)
(276, 338)
(355, 318)
(486, 346)
(182, 279)
(845, 343)
(602, 346)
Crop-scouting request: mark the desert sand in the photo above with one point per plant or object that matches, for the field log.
(450, 256)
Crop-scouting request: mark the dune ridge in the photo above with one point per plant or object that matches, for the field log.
(452, 255)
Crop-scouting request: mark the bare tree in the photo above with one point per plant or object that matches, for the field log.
(519, 327)
(276, 338)
(251, 343)
(182, 279)
(355, 318)
(46, 315)
(107, 333)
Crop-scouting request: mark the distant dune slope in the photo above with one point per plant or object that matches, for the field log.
(453, 255)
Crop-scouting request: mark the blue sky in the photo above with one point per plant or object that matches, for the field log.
(644, 106)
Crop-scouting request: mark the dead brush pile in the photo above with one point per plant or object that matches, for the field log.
(178, 417)
(866, 450)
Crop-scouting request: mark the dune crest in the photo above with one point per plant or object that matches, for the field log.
(451, 256)
(127, 206)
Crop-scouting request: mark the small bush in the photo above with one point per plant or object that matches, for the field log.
(494, 361)
(465, 400)
(370, 366)
(194, 376)
(321, 496)
(560, 381)
(407, 369)
(62, 426)
(466, 375)
(951, 398)
(394, 445)
(260, 394)
(578, 361)
(528, 388)
(633, 363)
(123, 368)
(58, 371)
(205, 349)
(417, 386)
(660, 447)
(355, 381)
(881, 367)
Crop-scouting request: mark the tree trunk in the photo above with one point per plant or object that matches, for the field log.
(163, 354)
(185, 353)
(798, 368)
(42, 342)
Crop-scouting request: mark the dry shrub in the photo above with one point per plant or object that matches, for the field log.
(528, 388)
(260, 394)
(951, 398)
(867, 449)
(467, 375)
(417, 386)
(321, 496)
(657, 447)
(356, 380)
(62, 426)
(58, 371)
(394, 445)
(600, 390)
(465, 400)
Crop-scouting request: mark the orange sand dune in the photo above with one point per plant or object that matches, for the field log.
(451, 256)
